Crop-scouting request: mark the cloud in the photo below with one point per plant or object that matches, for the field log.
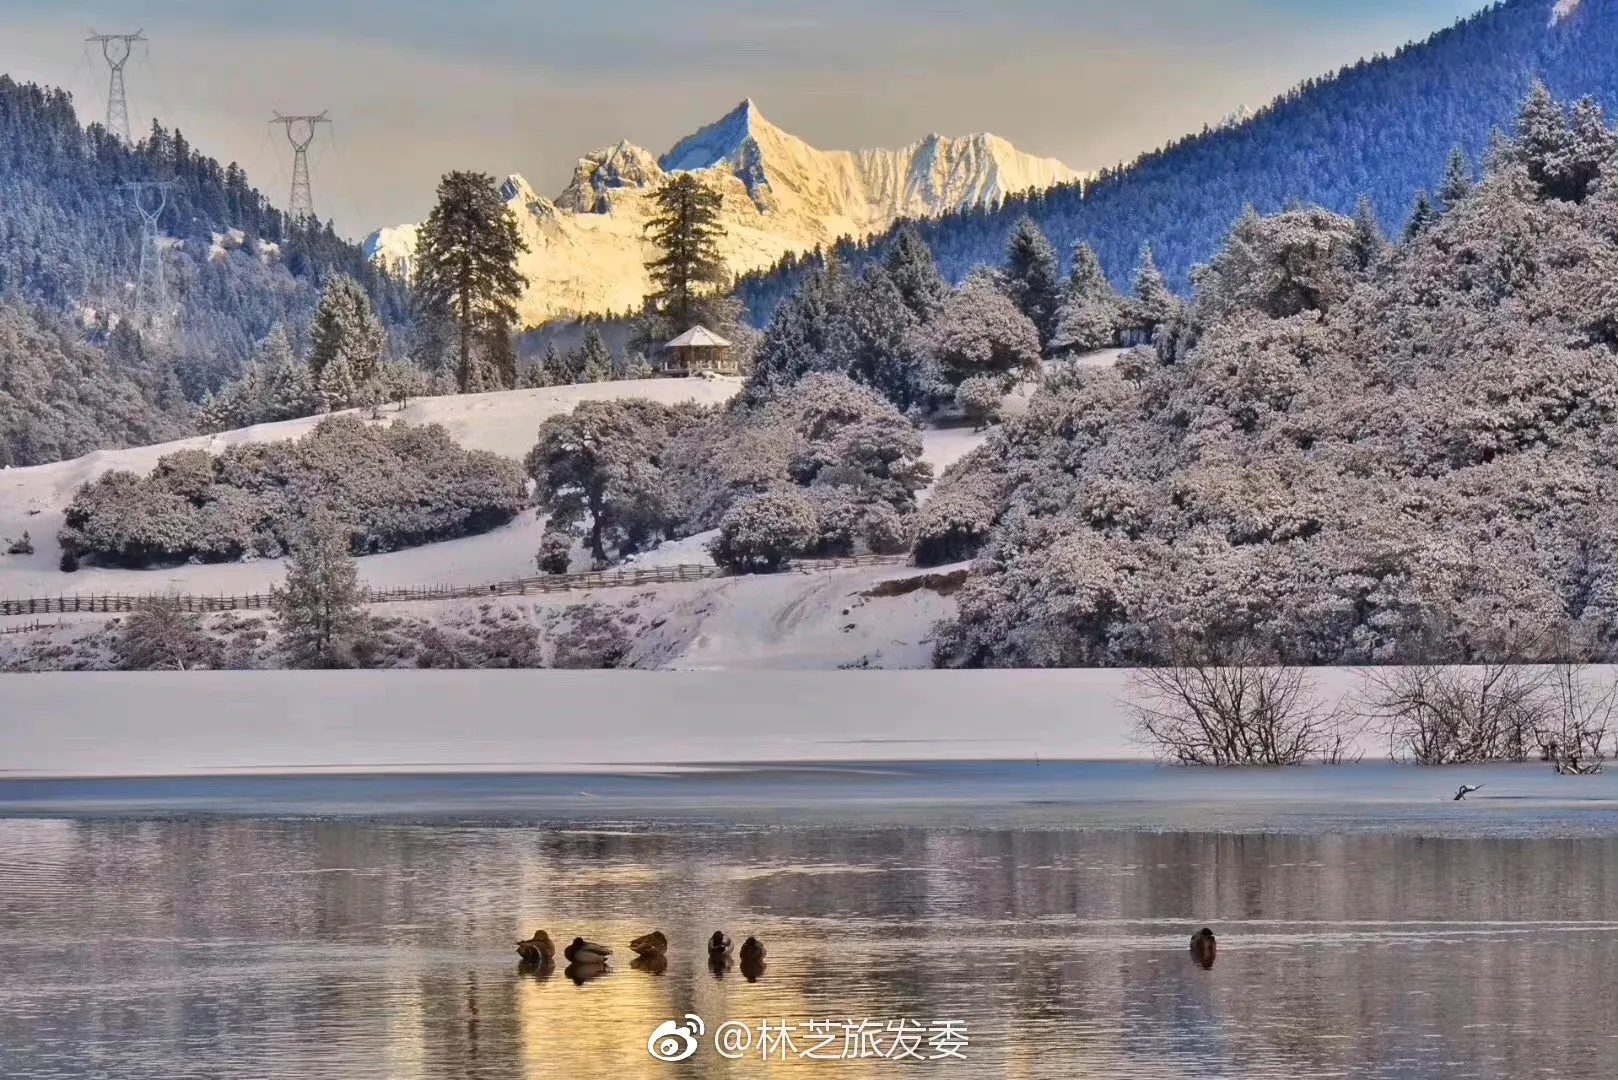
(418, 87)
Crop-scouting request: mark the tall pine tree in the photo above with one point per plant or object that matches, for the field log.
(910, 265)
(1457, 183)
(466, 263)
(1032, 278)
(345, 328)
(1422, 216)
(1153, 303)
(686, 230)
(595, 359)
(1092, 311)
(1369, 241)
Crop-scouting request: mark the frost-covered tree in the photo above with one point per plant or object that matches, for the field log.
(1544, 141)
(804, 334)
(160, 635)
(979, 401)
(400, 382)
(1033, 278)
(337, 385)
(980, 332)
(555, 551)
(345, 331)
(764, 532)
(873, 347)
(1457, 183)
(595, 359)
(599, 468)
(1153, 304)
(274, 387)
(911, 268)
(1369, 241)
(554, 368)
(1592, 146)
(1295, 261)
(1422, 216)
(1091, 311)
(1340, 467)
(396, 486)
(318, 609)
(823, 432)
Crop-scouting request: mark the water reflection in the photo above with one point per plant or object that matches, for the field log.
(227, 948)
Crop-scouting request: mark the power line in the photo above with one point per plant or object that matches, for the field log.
(117, 103)
(301, 205)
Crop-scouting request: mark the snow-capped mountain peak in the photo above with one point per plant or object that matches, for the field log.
(588, 248)
(720, 141)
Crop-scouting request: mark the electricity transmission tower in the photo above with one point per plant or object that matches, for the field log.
(150, 293)
(301, 205)
(117, 105)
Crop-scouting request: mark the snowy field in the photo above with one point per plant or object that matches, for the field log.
(161, 723)
(505, 422)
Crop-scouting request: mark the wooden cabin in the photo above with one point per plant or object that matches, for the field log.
(698, 351)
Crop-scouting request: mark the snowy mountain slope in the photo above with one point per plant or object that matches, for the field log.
(588, 247)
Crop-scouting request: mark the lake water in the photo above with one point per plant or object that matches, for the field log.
(343, 927)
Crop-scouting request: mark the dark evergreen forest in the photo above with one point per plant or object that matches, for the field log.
(1383, 127)
(234, 265)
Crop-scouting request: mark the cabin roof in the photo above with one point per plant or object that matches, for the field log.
(699, 336)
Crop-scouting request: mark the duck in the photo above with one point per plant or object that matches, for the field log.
(718, 945)
(752, 951)
(586, 952)
(653, 944)
(537, 949)
(1203, 947)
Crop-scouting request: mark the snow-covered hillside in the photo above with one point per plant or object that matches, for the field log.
(588, 247)
(505, 422)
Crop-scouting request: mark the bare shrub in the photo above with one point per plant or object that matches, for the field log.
(1576, 722)
(1439, 715)
(594, 640)
(1223, 704)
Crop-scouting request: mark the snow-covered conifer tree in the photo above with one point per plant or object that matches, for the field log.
(345, 327)
(1457, 183)
(910, 265)
(1032, 278)
(318, 608)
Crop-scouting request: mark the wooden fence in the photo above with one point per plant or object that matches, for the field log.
(28, 628)
(605, 579)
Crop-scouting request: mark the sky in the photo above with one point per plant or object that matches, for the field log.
(416, 88)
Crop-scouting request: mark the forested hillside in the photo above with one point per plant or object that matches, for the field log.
(1335, 453)
(1383, 127)
(70, 241)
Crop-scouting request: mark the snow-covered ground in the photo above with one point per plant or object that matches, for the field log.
(436, 721)
(799, 620)
(504, 422)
